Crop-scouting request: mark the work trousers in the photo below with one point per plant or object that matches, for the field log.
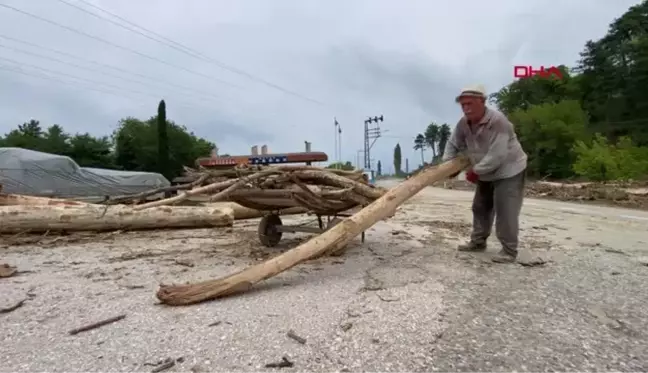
(500, 200)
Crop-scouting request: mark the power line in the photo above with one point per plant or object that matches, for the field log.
(76, 77)
(94, 83)
(197, 94)
(114, 44)
(182, 48)
(62, 53)
(82, 67)
(20, 71)
(77, 85)
(120, 89)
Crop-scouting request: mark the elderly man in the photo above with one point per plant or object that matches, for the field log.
(498, 169)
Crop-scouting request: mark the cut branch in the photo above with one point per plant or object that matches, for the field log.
(143, 195)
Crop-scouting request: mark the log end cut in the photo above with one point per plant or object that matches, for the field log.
(182, 295)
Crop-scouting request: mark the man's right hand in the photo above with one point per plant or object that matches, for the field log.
(472, 176)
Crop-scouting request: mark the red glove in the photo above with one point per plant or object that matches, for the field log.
(472, 176)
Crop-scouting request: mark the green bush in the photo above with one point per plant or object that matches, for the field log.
(600, 160)
(547, 133)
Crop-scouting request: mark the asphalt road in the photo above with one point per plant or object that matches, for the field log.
(402, 301)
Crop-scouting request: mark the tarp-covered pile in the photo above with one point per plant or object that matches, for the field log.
(29, 172)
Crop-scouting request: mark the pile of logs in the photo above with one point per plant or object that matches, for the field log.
(270, 188)
(243, 192)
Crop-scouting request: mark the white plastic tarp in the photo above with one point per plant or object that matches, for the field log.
(29, 172)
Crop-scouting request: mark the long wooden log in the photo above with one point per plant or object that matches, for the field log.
(328, 242)
(34, 218)
(19, 199)
(240, 212)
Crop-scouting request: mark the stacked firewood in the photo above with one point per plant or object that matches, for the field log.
(255, 190)
(270, 188)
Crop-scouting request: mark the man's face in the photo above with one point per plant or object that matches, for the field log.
(472, 107)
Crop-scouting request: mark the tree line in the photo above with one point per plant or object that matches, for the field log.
(153, 145)
(592, 123)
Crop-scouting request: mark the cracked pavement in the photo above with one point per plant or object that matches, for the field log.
(402, 301)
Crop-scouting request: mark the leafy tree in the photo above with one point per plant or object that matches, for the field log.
(163, 141)
(136, 146)
(86, 150)
(604, 94)
(57, 141)
(28, 135)
(548, 133)
(397, 160)
(432, 137)
(89, 151)
(444, 136)
(614, 74)
(536, 90)
(419, 144)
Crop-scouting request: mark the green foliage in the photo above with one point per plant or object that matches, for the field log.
(342, 166)
(609, 83)
(419, 144)
(548, 133)
(136, 145)
(163, 141)
(435, 137)
(89, 151)
(614, 74)
(598, 160)
(86, 150)
(444, 136)
(432, 137)
(397, 160)
(536, 90)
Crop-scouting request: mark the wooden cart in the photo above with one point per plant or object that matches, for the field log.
(271, 227)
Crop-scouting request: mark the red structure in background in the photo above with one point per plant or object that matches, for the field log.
(262, 159)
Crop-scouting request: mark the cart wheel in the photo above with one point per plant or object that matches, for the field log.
(268, 233)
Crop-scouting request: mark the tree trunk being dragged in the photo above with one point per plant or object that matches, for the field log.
(328, 242)
(14, 219)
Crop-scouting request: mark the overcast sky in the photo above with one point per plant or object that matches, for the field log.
(347, 59)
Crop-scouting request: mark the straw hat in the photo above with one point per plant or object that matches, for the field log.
(473, 91)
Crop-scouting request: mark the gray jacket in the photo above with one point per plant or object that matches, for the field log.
(491, 145)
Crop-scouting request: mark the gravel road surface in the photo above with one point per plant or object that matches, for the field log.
(402, 301)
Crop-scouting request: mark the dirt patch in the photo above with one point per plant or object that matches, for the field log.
(632, 195)
(627, 194)
(457, 228)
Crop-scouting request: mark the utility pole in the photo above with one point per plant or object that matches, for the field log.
(358, 158)
(307, 148)
(335, 137)
(339, 145)
(370, 133)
